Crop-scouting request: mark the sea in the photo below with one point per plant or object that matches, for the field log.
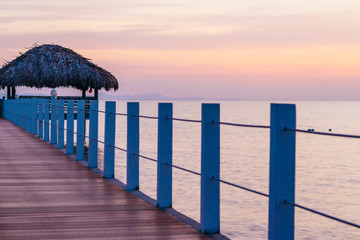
(327, 168)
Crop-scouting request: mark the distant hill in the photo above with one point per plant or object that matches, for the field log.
(149, 96)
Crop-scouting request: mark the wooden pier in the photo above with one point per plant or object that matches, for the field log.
(45, 194)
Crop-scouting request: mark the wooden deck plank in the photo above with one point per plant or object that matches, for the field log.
(45, 194)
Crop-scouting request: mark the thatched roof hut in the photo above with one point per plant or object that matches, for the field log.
(55, 66)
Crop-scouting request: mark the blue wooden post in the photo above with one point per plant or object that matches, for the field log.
(41, 118)
(282, 172)
(46, 119)
(53, 121)
(210, 167)
(93, 134)
(132, 171)
(22, 112)
(70, 127)
(27, 114)
(80, 132)
(18, 112)
(165, 145)
(61, 123)
(34, 116)
(109, 150)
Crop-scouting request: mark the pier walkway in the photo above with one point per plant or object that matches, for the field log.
(45, 194)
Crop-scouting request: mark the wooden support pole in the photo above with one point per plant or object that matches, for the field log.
(210, 167)
(132, 146)
(80, 131)
(13, 92)
(96, 94)
(165, 147)
(8, 93)
(93, 134)
(282, 172)
(109, 150)
(70, 127)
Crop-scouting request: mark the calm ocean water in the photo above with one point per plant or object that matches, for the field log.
(327, 168)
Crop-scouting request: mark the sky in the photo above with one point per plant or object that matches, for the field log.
(215, 49)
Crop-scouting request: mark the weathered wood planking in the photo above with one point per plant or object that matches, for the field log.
(45, 194)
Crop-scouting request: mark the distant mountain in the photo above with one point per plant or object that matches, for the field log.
(149, 96)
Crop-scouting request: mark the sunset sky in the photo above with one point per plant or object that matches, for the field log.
(249, 49)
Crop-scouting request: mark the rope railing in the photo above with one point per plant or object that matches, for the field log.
(321, 214)
(217, 179)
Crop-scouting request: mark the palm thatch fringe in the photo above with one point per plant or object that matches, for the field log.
(54, 66)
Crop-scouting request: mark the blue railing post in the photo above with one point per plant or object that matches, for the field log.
(27, 114)
(282, 172)
(61, 123)
(93, 134)
(109, 150)
(165, 145)
(34, 116)
(210, 168)
(46, 119)
(21, 111)
(70, 127)
(53, 121)
(80, 131)
(132, 173)
(41, 118)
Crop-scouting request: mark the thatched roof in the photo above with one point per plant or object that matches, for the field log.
(55, 66)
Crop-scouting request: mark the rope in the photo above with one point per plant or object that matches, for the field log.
(238, 186)
(121, 149)
(183, 169)
(140, 116)
(323, 133)
(241, 125)
(184, 120)
(322, 214)
(147, 158)
(121, 114)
